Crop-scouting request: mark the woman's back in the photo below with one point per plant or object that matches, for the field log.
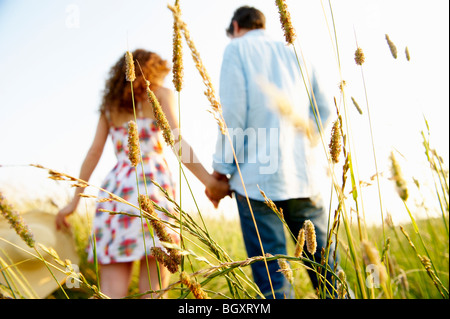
(150, 139)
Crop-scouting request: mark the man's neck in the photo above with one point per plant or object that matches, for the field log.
(242, 32)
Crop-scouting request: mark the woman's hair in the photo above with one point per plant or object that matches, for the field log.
(117, 92)
(247, 18)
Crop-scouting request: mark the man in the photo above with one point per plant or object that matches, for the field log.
(272, 154)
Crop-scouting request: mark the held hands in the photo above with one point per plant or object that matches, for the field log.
(217, 188)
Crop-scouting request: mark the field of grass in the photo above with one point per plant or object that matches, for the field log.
(387, 261)
(409, 279)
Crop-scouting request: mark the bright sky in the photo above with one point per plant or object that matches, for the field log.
(55, 56)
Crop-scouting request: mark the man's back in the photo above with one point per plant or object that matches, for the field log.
(258, 75)
(270, 151)
(262, 61)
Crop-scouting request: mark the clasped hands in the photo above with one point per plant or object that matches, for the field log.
(217, 188)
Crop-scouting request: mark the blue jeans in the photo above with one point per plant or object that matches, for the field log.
(271, 231)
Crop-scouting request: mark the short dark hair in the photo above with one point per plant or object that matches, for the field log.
(247, 18)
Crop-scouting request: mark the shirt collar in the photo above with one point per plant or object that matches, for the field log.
(256, 32)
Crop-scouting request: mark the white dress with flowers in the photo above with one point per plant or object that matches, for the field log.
(118, 237)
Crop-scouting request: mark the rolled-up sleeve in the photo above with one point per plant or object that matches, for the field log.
(233, 98)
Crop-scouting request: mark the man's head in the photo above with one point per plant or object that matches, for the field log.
(246, 18)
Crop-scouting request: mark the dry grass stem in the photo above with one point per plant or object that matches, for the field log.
(342, 84)
(426, 262)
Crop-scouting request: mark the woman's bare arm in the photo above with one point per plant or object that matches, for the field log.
(89, 164)
(216, 189)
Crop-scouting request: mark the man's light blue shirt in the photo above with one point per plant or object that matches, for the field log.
(272, 154)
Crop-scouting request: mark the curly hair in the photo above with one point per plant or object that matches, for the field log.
(117, 92)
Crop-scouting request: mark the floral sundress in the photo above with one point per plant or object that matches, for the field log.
(118, 237)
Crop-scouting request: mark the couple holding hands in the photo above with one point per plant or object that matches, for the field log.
(261, 137)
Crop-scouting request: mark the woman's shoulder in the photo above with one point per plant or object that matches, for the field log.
(164, 95)
(163, 92)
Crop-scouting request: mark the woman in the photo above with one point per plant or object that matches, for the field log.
(119, 238)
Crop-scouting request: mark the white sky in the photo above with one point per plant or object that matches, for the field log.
(53, 67)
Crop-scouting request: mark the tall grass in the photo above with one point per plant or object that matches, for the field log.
(392, 261)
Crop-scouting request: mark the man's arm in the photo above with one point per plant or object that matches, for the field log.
(323, 105)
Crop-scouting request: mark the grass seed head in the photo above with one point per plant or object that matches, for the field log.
(398, 178)
(335, 143)
(425, 262)
(134, 149)
(157, 225)
(342, 84)
(146, 205)
(300, 243)
(370, 253)
(193, 286)
(174, 257)
(130, 73)
(310, 235)
(356, 105)
(286, 270)
(209, 92)
(359, 56)
(164, 259)
(272, 205)
(16, 221)
(392, 47)
(286, 23)
(161, 119)
(177, 57)
(341, 287)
